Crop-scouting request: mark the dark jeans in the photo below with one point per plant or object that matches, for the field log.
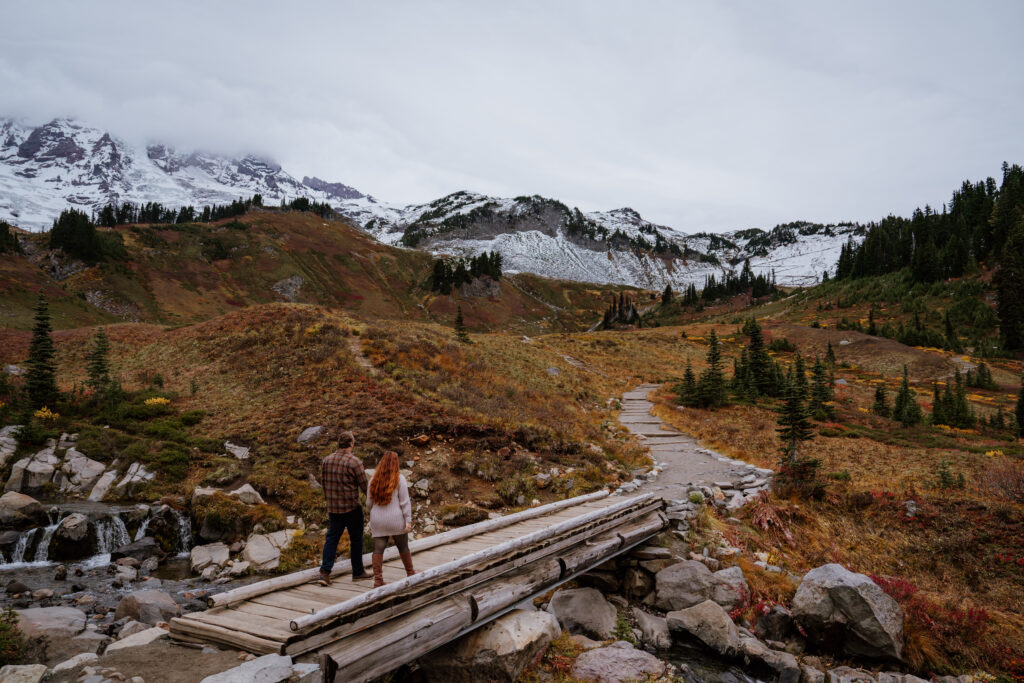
(380, 543)
(339, 522)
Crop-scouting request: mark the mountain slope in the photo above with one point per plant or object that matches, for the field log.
(45, 169)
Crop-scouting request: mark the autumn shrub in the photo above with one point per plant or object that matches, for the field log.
(1005, 479)
(517, 489)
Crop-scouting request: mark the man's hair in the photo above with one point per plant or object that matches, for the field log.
(346, 439)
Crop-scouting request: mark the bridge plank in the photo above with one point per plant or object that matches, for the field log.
(290, 600)
(229, 637)
(247, 607)
(254, 624)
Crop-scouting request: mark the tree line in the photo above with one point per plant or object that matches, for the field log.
(449, 273)
(982, 224)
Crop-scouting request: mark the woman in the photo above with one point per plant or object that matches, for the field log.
(390, 515)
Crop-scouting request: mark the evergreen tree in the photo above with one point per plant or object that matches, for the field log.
(938, 406)
(41, 380)
(830, 355)
(687, 389)
(711, 387)
(667, 296)
(98, 367)
(800, 376)
(460, 327)
(794, 425)
(821, 391)
(906, 408)
(761, 369)
(75, 234)
(881, 405)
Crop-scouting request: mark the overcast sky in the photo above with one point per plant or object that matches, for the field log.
(700, 115)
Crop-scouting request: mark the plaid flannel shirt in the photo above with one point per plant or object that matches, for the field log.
(343, 477)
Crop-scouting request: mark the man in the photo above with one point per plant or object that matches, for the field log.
(343, 477)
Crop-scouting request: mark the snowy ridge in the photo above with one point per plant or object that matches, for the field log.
(63, 163)
(46, 169)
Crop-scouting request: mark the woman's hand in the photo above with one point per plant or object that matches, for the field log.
(408, 527)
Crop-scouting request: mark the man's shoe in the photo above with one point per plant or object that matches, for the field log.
(361, 577)
(325, 578)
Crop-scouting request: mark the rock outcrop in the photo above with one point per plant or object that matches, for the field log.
(584, 611)
(848, 612)
(708, 623)
(617, 663)
(148, 606)
(18, 511)
(690, 582)
(497, 652)
(73, 539)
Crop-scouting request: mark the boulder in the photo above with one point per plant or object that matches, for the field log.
(240, 452)
(201, 493)
(144, 637)
(133, 478)
(783, 664)
(31, 474)
(263, 551)
(73, 539)
(138, 550)
(79, 472)
(729, 587)
(18, 511)
(76, 661)
(585, 611)
(682, 585)
(211, 554)
(846, 674)
(310, 434)
(248, 495)
(848, 612)
(148, 606)
(53, 622)
(708, 623)
(617, 663)
(24, 673)
(463, 515)
(777, 624)
(103, 484)
(499, 651)
(131, 628)
(690, 582)
(240, 568)
(265, 669)
(653, 629)
(636, 583)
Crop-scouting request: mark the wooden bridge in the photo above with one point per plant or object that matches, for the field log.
(468, 577)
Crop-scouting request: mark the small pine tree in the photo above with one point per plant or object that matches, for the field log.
(821, 391)
(98, 367)
(41, 380)
(794, 424)
(906, 408)
(687, 389)
(881, 405)
(711, 391)
(830, 355)
(667, 296)
(460, 328)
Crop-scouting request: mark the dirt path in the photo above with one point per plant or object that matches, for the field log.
(355, 345)
(682, 459)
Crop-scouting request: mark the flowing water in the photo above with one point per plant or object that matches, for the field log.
(32, 548)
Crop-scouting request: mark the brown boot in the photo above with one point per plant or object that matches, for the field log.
(407, 561)
(325, 578)
(378, 569)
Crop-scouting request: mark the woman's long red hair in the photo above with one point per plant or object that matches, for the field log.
(385, 479)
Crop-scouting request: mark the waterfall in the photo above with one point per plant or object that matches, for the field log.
(43, 549)
(111, 534)
(18, 556)
(184, 532)
(142, 529)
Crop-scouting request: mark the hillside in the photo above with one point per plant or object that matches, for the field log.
(182, 273)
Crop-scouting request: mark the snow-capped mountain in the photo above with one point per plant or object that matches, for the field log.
(45, 169)
(544, 236)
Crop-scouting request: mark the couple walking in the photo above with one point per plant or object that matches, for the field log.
(387, 498)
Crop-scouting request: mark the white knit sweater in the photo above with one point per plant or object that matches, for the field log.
(391, 519)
